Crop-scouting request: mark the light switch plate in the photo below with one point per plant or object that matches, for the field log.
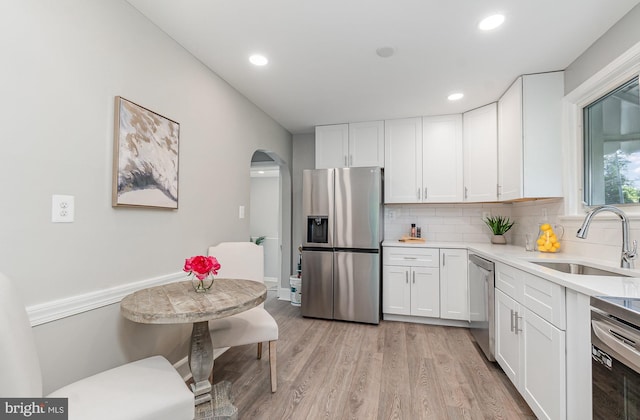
(241, 212)
(62, 209)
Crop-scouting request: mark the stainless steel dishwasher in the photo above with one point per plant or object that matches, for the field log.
(481, 304)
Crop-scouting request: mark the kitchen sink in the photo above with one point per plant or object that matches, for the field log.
(576, 268)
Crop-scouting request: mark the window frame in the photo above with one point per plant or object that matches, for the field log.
(587, 173)
(615, 74)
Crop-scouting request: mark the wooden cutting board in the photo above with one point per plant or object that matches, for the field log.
(410, 239)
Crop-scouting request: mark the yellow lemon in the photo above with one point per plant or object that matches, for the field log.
(541, 241)
(556, 245)
(545, 227)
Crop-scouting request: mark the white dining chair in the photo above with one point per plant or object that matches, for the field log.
(148, 389)
(245, 260)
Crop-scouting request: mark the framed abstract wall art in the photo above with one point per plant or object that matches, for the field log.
(145, 158)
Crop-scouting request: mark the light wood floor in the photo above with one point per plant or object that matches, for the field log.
(342, 370)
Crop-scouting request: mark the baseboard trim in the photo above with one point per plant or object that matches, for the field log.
(54, 310)
(425, 320)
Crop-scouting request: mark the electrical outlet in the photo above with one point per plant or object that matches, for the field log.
(62, 209)
(241, 212)
(544, 214)
(392, 215)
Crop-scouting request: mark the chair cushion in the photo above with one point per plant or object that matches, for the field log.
(148, 389)
(253, 326)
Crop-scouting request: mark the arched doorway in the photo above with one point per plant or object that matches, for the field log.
(270, 216)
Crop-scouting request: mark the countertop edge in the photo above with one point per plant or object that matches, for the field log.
(517, 257)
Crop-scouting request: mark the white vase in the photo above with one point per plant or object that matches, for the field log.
(498, 240)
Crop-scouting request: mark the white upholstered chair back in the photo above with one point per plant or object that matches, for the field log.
(19, 366)
(239, 260)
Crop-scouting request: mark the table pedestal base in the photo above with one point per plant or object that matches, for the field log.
(221, 405)
(201, 361)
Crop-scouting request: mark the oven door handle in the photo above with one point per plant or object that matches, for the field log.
(604, 331)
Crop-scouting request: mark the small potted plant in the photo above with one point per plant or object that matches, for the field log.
(499, 225)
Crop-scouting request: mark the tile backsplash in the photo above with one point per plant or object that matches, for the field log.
(463, 223)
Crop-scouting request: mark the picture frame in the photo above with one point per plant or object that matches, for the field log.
(145, 157)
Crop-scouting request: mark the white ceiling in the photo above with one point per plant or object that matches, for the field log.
(323, 68)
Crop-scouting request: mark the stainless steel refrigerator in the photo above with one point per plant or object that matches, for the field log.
(342, 212)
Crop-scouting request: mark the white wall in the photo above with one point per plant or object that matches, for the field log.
(65, 61)
(618, 39)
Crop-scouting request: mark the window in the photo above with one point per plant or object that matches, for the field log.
(612, 147)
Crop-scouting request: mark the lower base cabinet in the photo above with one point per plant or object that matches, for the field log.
(425, 282)
(531, 351)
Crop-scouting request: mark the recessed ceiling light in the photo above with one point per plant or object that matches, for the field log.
(491, 22)
(385, 52)
(455, 96)
(258, 60)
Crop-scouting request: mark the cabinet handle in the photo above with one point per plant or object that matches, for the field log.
(406, 277)
(414, 277)
(443, 258)
(350, 160)
(511, 319)
(425, 193)
(345, 161)
(418, 193)
(498, 193)
(410, 258)
(517, 328)
(466, 193)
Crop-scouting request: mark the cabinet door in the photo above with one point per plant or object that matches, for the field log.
(480, 143)
(403, 160)
(507, 341)
(396, 290)
(510, 142)
(442, 159)
(543, 367)
(454, 285)
(366, 144)
(425, 291)
(332, 146)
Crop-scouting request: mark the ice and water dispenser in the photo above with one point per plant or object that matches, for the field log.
(317, 229)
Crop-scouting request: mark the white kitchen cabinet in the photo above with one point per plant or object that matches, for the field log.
(411, 281)
(454, 285)
(403, 160)
(530, 137)
(366, 144)
(480, 153)
(507, 342)
(424, 160)
(530, 339)
(350, 145)
(442, 163)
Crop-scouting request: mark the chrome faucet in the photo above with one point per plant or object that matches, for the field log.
(628, 255)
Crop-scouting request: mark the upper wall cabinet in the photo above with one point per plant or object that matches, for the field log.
(403, 160)
(423, 160)
(350, 145)
(442, 159)
(529, 137)
(480, 144)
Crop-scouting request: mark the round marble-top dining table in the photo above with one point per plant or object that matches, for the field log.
(176, 303)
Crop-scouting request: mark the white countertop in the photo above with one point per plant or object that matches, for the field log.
(517, 257)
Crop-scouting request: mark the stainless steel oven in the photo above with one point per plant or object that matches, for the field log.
(615, 354)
